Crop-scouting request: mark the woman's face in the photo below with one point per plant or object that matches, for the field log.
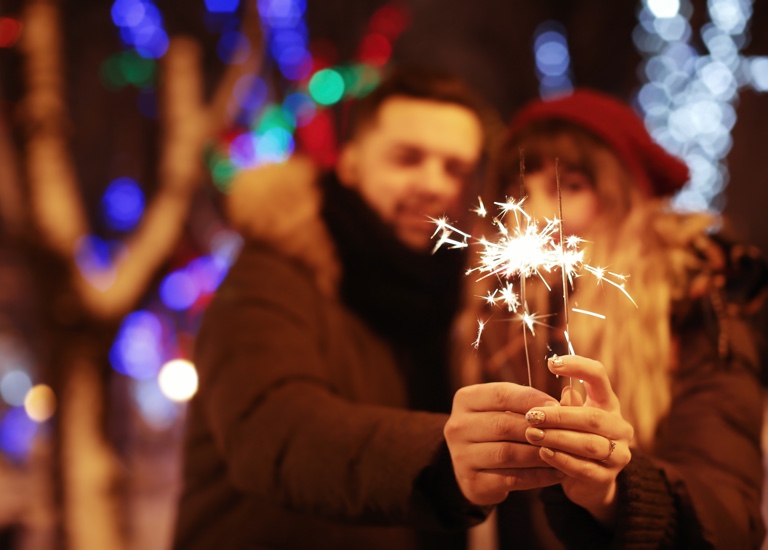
(579, 199)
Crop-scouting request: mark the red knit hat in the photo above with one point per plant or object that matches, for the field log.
(657, 171)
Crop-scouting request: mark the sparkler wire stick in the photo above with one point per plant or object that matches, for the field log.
(563, 266)
(522, 279)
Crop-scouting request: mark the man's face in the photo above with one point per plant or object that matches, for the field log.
(413, 162)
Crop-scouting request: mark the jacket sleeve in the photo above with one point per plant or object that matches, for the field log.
(701, 486)
(283, 429)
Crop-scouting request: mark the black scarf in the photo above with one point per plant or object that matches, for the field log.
(407, 297)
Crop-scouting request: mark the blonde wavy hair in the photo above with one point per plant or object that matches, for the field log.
(634, 234)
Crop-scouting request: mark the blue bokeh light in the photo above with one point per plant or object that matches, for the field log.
(274, 145)
(17, 433)
(553, 61)
(178, 291)
(123, 204)
(301, 108)
(141, 26)
(14, 386)
(251, 92)
(93, 257)
(207, 272)
(137, 350)
(222, 6)
(552, 57)
(233, 47)
(242, 150)
(281, 13)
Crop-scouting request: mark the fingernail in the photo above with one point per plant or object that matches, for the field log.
(534, 417)
(546, 451)
(555, 361)
(534, 434)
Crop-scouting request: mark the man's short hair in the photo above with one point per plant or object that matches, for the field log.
(417, 83)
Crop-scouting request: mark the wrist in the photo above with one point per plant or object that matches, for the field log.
(602, 505)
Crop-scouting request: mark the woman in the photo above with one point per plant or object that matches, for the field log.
(660, 444)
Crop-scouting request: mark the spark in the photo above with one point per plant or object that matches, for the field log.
(480, 209)
(524, 249)
(587, 312)
(480, 327)
(600, 275)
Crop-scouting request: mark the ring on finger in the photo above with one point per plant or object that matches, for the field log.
(611, 448)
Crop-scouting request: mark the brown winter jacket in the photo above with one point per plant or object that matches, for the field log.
(299, 436)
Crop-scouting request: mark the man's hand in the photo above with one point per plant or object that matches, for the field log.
(486, 438)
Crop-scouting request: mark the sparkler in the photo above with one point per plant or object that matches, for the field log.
(524, 250)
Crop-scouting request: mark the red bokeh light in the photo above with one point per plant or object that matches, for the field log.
(389, 20)
(318, 140)
(375, 50)
(10, 31)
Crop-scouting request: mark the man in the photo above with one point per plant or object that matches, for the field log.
(323, 380)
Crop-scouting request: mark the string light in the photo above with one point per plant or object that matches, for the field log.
(690, 95)
(40, 403)
(178, 380)
(553, 60)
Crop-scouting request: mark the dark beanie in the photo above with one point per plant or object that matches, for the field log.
(658, 172)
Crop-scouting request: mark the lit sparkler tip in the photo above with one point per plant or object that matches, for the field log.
(529, 320)
(480, 210)
(480, 327)
(573, 241)
(511, 205)
(490, 297)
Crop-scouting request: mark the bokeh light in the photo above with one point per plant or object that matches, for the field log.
(178, 290)
(688, 102)
(14, 386)
(123, 204)
(300, 107)
(137, 349)
(375, 50)
(141, 26)
(553, 60)
(17, 433)
(758, 73)
(222, 6)
(10, 31)
(40, 403)
(93, 257)
(326, 87)
(664, 8)
(233, 47)
(178, 380)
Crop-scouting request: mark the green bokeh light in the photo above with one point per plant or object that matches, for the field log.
(326, 87)
(127, 68)
(222, 172)
(275, 116)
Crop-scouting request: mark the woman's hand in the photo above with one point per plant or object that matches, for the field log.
(588, 441)
(486, 438)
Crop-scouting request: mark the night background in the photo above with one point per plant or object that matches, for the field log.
(122, 123)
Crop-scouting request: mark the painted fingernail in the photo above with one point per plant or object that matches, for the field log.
(555, 361)
(546, 451)
(534, 417)
(535, 434)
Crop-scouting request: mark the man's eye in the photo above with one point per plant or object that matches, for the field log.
(407, 158)
(459, 170)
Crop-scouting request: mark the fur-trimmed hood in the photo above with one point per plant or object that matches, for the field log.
(279, 205)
